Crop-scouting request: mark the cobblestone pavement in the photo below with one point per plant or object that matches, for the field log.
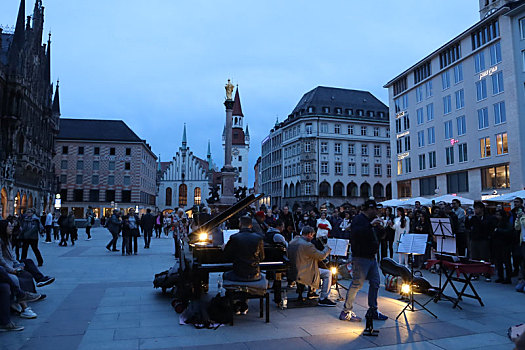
(104, 300)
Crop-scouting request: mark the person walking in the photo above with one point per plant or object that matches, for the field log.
(56, 228)
(114, 226)
(67, 228)
(130, 232)
(30, 229)
(365, 246)
(147, 223)
(90, 220)
(48, 225)
(159, 219)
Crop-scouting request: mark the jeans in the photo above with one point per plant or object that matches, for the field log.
(126, 245)
(48, 233)
(363, 269)
(56, 233)
(88, 231)
(113, 243)
(5, 296)
(326, 278)
(34, 245)
(15, 286)
(30, 267)
(147, 237)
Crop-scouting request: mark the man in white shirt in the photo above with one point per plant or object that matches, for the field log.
(48, 226)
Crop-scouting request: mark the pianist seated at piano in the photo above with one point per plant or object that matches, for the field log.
(305, 258)
(246, 250)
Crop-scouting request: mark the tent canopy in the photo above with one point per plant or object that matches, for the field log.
(448, 198)
(509, 197)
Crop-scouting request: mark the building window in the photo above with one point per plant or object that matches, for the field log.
(450, 55)
(479, 60)
(324, 147)
(457, 182)
(431, 135)
(110, 195)
(420, 118)
(501, 144)
(197, 196)
(495, 177)
(448, 130)
(399, 144)
(338, 168)
(388, 151)
(364, 169)
(387, 133)
(350, 129)
(399, 167)
(400, 85)
(111, 165)
(324, 167)
(96, 151)
(80, 165)
(421, 138)
(458, 73)
(127, 181)
(428, 89)
(337, 148)
(240, 169)
(485, 34)
(63, 179)
(308, 129)
(63, 164)
(326, 110)
(500, 115)
(377, 170)
(337, 128)
(79, 180)
(95, 180)
(483, 118)
(96, 165)
(364, 150)
(481, 89)
(462, 125)
(363, 131)
(168, 196)
(445, 80)
(112, 151)
(404, 189)
(430, 112)
(427, 186)
(407, 143)
(351, 149)
(324, 127)
(307, 146)
(422, 72)
(422, 162)
(111, 179)
(80, 150)
(307, 189)
(522, 28)
(65, 149)
(377, 151)
(447, 104)
(485, 147)
(183, 195)
(128, 151)
(376, 131)
(78, 195)
(127, 166)
(495, 54)
(126, 196)
(94, 195)
(432, 159)
(351, 169)
(397, 105)
(240, 158)
(497, 83)
(408, 165)
(307, 167)
(389, 170)
(462, 153)
(460, 99)
(419, 94)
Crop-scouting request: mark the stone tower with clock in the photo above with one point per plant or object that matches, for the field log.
(240, 143)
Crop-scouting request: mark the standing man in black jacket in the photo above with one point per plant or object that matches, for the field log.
(147, 222)
(481, 228)
(365, 245)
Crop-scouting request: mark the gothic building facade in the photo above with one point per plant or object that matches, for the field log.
(29, 116)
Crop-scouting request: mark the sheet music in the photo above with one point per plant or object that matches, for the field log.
(227, 234)
(441, 227)
(339, 246)
(412, 243)
(449, 245)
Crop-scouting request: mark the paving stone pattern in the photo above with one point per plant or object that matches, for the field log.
(104, 300)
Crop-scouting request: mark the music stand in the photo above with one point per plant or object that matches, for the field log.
(442, 227)
(412, 244)
(339, 249)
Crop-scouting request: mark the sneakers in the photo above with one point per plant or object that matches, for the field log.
(326, 302)
(349, 316)
(11, 327)
(45, 281)
(379, 316)
(488, 279)
(28, 313)
(88, 239)
(47, 242)
(241, 308)
(29, 297)
(16, 307)
(312, 295)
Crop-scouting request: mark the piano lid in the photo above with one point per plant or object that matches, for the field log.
(228, 213)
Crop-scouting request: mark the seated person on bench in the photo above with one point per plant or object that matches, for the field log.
(246, 250)
(306, 257)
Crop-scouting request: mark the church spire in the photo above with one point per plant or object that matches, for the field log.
(48, 63)
(184, 139)
(55, 109)
(159, 168)
(209, 150)
(18, 39)
(237, 109)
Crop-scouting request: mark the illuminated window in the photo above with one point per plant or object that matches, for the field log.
(485, 147)
(197, 196)
(495, 177)
(168, 196)
(399, 167)
(501, 144)
(183, 195)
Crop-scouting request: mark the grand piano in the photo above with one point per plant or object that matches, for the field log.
(204, 253)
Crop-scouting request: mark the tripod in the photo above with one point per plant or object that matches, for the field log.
(410, 304)
(335, 280)
(440, 294)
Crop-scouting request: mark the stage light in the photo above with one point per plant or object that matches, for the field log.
(203, 236)
(333, 270)
(405, 289)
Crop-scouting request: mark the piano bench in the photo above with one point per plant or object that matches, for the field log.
(241, 292)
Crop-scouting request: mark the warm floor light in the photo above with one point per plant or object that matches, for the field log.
(405, 289)
(203, 236)
(333, 270)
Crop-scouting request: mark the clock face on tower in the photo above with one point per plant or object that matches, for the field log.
(235, 152)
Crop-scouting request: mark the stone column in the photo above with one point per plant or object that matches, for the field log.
(228, 171)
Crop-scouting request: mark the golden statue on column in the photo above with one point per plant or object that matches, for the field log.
(229, 90)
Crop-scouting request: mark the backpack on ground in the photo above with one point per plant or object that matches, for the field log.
(392, 283)
(220, 310)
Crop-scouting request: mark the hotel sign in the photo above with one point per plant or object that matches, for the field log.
(402, 134)
(403, 155)
(400, 114)
(488, 72)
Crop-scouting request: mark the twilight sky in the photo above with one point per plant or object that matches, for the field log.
(160, 63)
